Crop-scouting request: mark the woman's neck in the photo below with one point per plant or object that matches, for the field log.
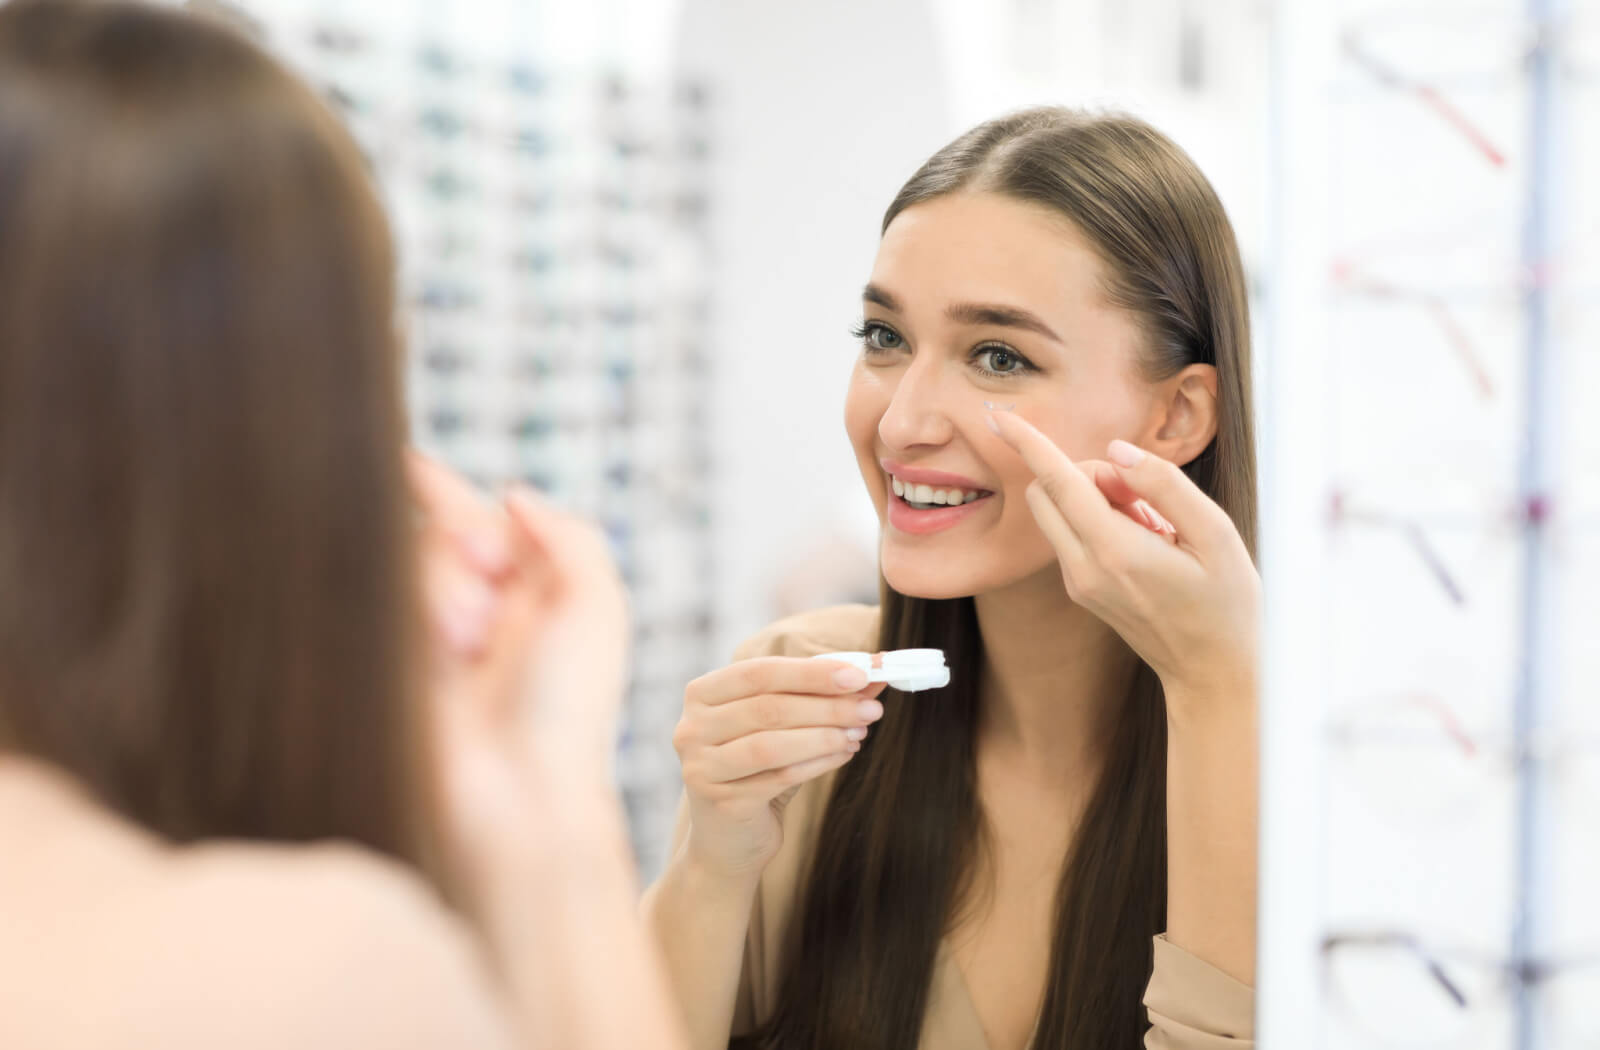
(1053, 677)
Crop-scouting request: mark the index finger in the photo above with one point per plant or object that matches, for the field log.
(1074, 494)
(1108, 481)
(457, 509)
(439, 490)
(574, 549)
(778, 674)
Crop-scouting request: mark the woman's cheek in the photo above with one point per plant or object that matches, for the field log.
(864, 405)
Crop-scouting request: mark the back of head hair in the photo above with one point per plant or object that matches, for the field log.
(207, 600)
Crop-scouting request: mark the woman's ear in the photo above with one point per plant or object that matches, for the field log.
(1185, 417)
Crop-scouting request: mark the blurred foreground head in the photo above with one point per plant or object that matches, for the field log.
(206, 582)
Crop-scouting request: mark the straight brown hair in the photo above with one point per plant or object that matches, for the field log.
(208, 604)
(901, 836)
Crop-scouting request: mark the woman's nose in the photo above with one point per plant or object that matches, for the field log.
(918, 412)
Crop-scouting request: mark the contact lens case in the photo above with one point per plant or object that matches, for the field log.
(909, 670)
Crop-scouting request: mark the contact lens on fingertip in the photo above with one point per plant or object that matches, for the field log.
(991, 406)
(909, 670)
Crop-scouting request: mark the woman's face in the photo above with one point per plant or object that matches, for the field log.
(981, 298)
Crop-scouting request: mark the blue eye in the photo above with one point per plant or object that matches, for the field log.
(1001, 361)
(878, 337)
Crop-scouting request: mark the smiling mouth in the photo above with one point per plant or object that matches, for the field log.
(929, 497)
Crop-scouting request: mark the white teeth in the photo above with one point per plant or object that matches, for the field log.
(929, 496)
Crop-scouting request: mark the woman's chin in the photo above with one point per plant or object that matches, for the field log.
(921, 577)
(932, 593)
(929, 575)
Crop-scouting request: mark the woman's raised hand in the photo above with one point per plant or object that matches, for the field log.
(527, 654)
(1186, 600)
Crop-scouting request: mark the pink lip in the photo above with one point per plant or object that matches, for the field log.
(934, 478)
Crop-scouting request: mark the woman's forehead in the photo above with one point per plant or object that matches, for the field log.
(983, 247)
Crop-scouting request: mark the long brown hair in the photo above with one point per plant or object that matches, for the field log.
(903, 829)
(207, 603)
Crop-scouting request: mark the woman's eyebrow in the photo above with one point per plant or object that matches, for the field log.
(1000, 316)
(873, 294)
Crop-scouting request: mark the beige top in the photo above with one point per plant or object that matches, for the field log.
(1192, 1005)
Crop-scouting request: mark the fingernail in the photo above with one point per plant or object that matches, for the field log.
(1125, 455)
(870, 710)
(850, 678)
(463, 629)
(485, 546)
(1153, 517)
(993, 426)
(457, 631)
(856, 732)
(472, 598)
(852, 748)
(490, 549)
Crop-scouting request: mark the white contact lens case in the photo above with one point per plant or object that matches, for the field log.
(909, 670)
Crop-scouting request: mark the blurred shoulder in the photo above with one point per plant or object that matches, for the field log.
(110, 935)
(833, 629)
(322, 946)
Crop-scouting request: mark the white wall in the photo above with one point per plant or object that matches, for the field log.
(824, 109)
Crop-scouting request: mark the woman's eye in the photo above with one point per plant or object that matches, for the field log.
(1001, 361)
(882, 337)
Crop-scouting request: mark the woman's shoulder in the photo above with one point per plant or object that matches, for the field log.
(328, 894)
(235, 944)
(333, 945)
(836, 628)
